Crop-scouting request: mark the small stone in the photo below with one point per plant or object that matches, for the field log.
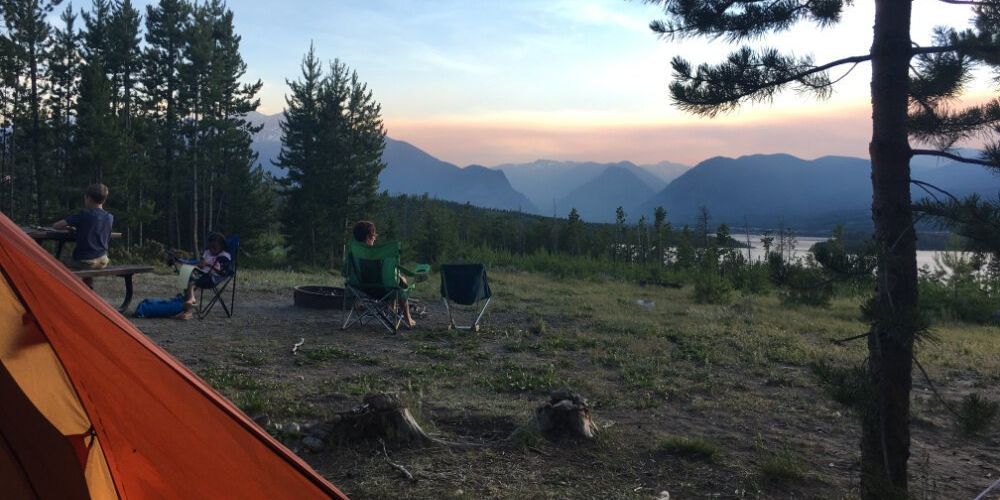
(262, 420)
(294, 428)
(313, 444)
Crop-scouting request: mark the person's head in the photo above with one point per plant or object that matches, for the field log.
(364, 232)
(216, 243)
(95, 195)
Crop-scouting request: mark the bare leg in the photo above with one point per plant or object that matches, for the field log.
(407, 319)
(189, 296)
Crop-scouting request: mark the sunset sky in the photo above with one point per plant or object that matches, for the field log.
(489, 82)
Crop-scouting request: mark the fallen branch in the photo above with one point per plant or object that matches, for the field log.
(295, 348)
(400, 468)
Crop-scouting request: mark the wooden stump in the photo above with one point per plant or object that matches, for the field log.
(382, 416)
(566, 415)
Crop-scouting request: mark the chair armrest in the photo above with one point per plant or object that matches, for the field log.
(419, 271)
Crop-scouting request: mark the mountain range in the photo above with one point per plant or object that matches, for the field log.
(762, 190)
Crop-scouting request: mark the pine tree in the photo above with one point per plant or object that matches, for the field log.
(30, 37)
(97, 141)
(166, 36)
(912, 89)
(64, 65)
(661, 231)
(332, 144)
(300, 156)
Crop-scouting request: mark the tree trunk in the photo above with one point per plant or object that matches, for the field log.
(885, 441)
(36, 130)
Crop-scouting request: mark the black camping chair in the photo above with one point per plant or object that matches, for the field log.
(226, 281)
(466, 285)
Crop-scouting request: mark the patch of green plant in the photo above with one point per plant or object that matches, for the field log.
(692, 448)
(638, 376)
(250, 358)
(846, 385)
(782, 467)
(435, 352)
(251, 402)
(976, 414)
(363, 384)
(537, 326)
(614, 356)
(322, 354)
(225, 378)
(512, 377)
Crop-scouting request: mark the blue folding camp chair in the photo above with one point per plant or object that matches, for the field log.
(226, 282)
(465, 285)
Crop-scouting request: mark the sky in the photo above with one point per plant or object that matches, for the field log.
(490, 82)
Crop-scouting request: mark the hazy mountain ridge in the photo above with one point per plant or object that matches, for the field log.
(767, 189)
(409, 170)
(545, 182)
(597, 200)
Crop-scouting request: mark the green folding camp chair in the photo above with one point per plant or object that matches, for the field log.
(465, 285)
(373, 287)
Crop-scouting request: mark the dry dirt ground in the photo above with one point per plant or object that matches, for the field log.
(696, 400)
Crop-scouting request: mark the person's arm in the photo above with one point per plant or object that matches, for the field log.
(67, 223)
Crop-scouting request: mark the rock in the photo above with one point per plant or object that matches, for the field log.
(294, 428)
(313, 444)
(262, 420)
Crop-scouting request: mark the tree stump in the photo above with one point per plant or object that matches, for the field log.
(566, 415)
(382, 416)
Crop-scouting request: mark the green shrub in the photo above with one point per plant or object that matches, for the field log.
(711, 289)
(847, 386)
(976, 414)
(807, 286)
(957, 301)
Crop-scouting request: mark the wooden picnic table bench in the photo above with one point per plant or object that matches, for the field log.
(126, 272)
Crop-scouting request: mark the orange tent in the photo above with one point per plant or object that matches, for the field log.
(91, 408)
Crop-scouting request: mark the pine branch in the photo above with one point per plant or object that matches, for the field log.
(748, 75)
(737, 20)
(952, 156)
(964, 2)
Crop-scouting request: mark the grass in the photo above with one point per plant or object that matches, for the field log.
(658, 378)
(321, 354)
(690, 448)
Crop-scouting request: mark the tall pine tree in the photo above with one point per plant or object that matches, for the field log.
(905, 77)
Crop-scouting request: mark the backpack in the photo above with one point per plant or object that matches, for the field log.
(160, 308)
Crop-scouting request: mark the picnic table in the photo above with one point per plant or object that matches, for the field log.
(61, 236)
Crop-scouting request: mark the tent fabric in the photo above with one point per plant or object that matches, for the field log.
(111, 410)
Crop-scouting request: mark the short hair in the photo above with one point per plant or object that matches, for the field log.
(363, 230)
(98, 193)
(217, 238)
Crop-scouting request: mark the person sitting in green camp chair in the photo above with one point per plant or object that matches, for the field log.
(364, 232)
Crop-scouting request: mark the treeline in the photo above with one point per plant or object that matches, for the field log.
(152, 103)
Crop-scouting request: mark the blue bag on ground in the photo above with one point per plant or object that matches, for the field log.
(160, 308)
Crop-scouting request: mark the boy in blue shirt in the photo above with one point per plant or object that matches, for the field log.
(92, 228)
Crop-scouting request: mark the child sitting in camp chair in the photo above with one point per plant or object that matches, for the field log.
(364, 232)
(208, 271)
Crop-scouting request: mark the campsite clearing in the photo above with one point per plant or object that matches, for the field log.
(697, 400)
